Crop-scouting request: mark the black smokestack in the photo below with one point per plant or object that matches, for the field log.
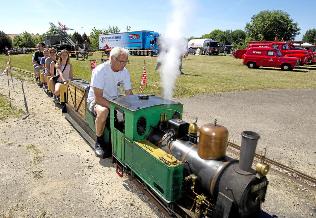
(249, 142)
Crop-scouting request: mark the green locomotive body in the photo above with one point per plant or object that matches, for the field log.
(185, 167)
(131, 121)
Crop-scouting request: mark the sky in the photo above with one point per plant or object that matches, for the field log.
(204, 16)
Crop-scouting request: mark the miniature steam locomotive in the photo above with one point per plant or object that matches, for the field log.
(184, 166)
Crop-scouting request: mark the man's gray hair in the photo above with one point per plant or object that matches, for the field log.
(116, 51)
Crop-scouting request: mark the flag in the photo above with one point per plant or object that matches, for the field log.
(93, 64)
(143, 81)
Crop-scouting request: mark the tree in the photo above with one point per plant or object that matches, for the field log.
(24, 40)
(94, 38)
(85, 38)
(94, 35)
(38, 38)
(5, 41)
(223, 37)
(266, 25)
(238, 36)
(227, 39)
(217, 35)
(310, 36)
(77, 38)
(113, 29)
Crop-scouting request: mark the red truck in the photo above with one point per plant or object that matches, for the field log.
(256, 57)
(287, 49)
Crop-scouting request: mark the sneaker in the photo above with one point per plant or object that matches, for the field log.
(98, 150)
(108, 151)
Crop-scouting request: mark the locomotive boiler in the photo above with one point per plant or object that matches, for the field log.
(185, 167)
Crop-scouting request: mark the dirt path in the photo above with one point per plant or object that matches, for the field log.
(47, 169)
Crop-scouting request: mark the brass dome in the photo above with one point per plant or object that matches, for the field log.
(213, 141)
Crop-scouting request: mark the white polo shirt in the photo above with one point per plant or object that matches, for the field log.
(103, 77)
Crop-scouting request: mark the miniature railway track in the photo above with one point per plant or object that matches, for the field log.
(291, 172)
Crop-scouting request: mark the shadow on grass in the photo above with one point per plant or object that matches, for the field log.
(307, 67)
(301, 70)
(277, 69)
(188, 74)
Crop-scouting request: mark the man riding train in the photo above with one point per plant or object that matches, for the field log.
(105, 80)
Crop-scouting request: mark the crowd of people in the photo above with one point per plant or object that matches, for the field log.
(56, 71)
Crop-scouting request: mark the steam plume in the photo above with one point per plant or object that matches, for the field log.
(174, 45)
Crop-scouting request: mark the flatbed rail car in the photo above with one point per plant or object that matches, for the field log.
(189, 174)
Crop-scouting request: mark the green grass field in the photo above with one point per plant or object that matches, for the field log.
(203, 75)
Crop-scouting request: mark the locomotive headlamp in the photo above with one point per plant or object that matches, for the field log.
(262, 168)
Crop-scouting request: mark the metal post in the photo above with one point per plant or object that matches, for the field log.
(9, 91)
(25, 102)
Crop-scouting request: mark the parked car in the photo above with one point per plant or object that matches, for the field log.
(239, 53)
(287, 49)
(268, 57)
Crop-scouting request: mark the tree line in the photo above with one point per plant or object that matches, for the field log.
(266, 25)
(28, 40)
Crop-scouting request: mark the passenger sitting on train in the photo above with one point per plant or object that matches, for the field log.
(42, 59)
(64, 71)
(51, 57)
(42, 63)
(104, 84)
(52, 70)
(36, 58)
